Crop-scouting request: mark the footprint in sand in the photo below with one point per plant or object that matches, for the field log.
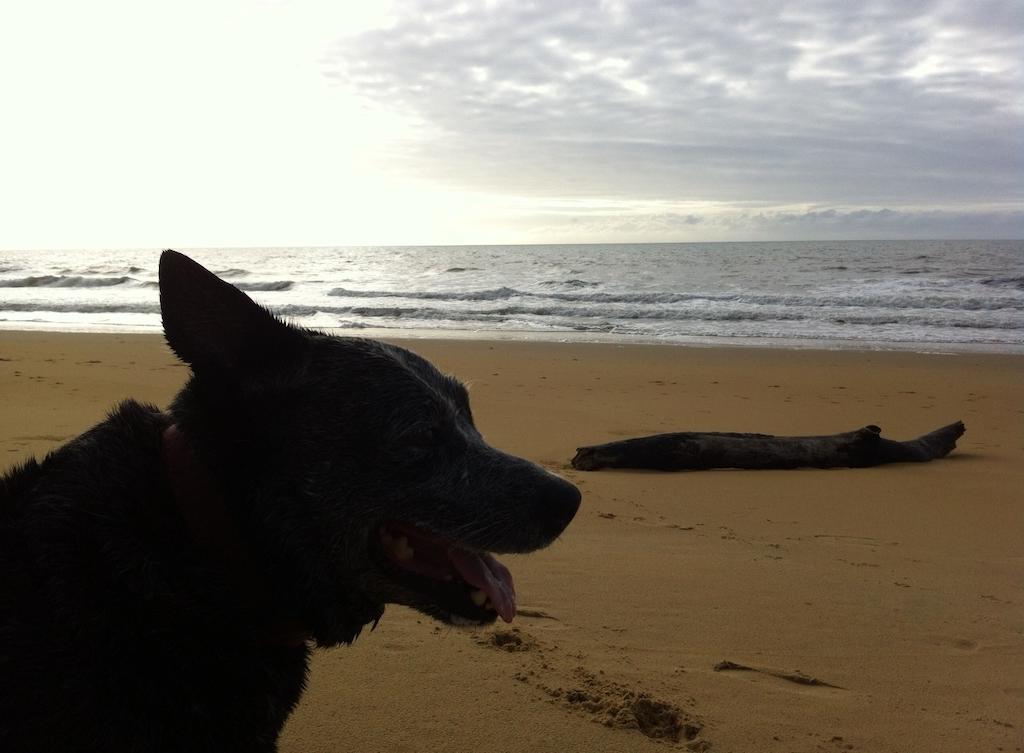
(619, 707)
(512, 640)
(604, 701)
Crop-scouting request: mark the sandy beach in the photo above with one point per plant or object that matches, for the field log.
(875, 610)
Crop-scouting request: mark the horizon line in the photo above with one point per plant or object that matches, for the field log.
(245, 247)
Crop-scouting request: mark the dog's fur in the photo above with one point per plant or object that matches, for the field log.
(127, 623)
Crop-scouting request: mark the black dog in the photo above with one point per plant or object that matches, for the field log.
(163, 576)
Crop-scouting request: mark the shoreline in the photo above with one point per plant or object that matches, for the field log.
(896, 586)
(572, 337)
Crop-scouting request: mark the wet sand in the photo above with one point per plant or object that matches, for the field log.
(878, 609)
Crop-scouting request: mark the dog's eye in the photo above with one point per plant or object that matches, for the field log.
(420, 441)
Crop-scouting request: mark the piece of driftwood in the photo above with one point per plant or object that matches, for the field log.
(696, 451)
(798, 677)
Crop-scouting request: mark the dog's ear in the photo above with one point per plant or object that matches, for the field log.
(215, 327)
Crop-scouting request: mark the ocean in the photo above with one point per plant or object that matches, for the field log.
(917, 295)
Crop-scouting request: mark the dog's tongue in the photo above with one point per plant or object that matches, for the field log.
(490, 576)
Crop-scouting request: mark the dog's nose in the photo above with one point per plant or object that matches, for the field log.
(561, 500)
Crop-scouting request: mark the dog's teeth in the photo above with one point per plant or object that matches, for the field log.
(478, 597)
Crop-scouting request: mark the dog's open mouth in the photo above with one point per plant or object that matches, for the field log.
(466, 585)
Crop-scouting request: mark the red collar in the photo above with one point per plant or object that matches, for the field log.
(214, 533)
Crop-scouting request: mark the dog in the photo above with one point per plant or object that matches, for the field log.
(165, 575)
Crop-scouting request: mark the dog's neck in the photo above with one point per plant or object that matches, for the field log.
(215, 535)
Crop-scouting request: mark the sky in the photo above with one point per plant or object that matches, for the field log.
(328, 122)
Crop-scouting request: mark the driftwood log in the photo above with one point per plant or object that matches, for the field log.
(696, 451)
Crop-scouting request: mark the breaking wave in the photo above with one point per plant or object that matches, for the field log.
(82, 307)
(64, 281)
(259, 286)
(663, 298)
(569, 316)
(1005, 282)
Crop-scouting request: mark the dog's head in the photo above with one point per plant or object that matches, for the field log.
(354, 466)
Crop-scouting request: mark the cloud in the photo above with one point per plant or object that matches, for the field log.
(828, 102)
(436, 121)
(621, 225)
(889, 223)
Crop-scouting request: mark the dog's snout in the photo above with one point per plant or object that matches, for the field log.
(541, 503)
(560, 500)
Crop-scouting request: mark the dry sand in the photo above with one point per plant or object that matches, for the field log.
(898, 588)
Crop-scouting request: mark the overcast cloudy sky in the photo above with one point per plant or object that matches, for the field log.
(276, 123)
